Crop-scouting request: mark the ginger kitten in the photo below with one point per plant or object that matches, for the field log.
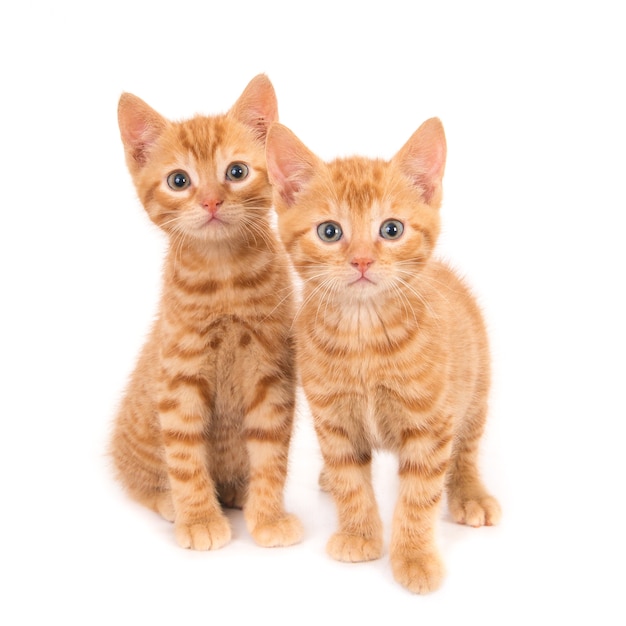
(207, 416)
(391, 345)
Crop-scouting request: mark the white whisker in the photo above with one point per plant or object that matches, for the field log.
(419, 296)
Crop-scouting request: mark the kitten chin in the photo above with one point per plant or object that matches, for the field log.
(228, 225)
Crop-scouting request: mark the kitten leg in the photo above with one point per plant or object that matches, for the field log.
(347, 477)
(268, 426)
(468, 500)
(137, 451)
(415, 560)
(359, 537)
(199, 521)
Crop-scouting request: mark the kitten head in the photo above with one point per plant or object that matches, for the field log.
(205, 178)
(358, 229)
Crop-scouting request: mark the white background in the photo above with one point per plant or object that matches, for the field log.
(531, 95)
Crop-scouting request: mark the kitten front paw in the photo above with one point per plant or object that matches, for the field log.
(282, 532)
(419, 574)
(354, 548)
(483, 511)
(206, 535)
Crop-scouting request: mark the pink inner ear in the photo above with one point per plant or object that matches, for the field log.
(427, 173)
(143, 139)
(283, 174)
(140, 126)
(138, 138)
(423, 159)
(290, 164)
(257, 107)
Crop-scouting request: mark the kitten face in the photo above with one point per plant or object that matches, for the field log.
(358, 229)
(364, 237)
(203, 179)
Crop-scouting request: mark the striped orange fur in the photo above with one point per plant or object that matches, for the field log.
(207, 416)
(391, 345)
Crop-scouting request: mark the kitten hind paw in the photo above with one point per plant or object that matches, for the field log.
(282, 532)
(354, 548)
(160, 502)
(206, 535)
(477, 512)
(165, 507)
(419, 574)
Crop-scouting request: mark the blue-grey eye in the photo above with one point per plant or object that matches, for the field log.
(237, 171)
(178, 180)
(329, 231)
(391, 229)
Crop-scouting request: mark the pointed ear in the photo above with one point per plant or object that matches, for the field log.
(290, 164)
(140, 127)
(423, 160)
(257, 106)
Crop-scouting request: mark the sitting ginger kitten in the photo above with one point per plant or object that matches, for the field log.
(207, 417)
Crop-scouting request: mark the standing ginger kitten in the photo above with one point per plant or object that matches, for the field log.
(207, 417)
(391, 345)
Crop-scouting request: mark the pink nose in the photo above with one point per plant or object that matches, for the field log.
(362, 264)
(212, 205)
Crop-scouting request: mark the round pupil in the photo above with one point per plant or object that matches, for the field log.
(330, 231)
(180, 180)
(391, 229)
(236, 171)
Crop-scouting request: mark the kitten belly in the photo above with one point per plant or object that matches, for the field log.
(231, 368)
(230, 364)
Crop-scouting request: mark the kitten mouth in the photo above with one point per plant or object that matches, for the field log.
(363, 281)
(210, 229)
(213, 221)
